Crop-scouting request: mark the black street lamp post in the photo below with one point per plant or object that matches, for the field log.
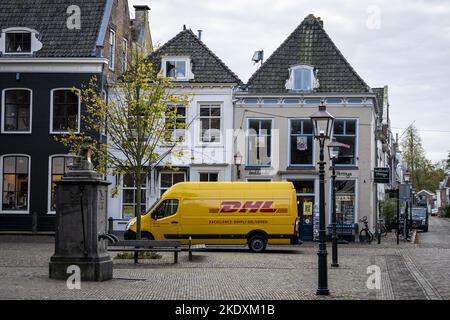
(407, 180)
(333, 152)
(323, 128)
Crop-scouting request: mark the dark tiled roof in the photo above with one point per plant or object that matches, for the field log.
(206, 66)
(308, 44)
(49, 17)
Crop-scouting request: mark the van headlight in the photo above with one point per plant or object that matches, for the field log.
(130, 223)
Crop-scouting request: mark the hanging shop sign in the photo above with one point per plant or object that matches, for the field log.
(382, 175)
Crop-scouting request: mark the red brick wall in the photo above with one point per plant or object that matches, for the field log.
(119, 22)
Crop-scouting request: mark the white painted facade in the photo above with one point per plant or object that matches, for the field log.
(197, 158)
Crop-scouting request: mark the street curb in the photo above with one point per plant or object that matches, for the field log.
(26, 233)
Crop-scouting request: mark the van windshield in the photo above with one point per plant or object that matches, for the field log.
(152, 207)
(419, 213)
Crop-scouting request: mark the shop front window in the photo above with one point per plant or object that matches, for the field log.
(345, 201)
(15, 179)
(59, 166)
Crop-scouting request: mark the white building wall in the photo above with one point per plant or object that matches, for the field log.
(195, 157)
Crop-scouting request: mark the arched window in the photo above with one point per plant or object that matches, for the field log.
(19, 41)
(16, 110)
(59, 165)
(65, 111)
(15, 184)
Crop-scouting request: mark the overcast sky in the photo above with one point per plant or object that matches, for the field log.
(404, 44)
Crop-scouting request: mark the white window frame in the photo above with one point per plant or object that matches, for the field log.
(112, 52)
(36, 45)
(209, 173)
(27, 212)
(51, 111)
(147, 192)
(124, 55)
(290, 83)
(51, 212)
(187, 60)
(356, 164)
(168, 172)
(259, 180)
(170, 142)
(206, 104)
(290, 164)
(3, 131)
(247, 158)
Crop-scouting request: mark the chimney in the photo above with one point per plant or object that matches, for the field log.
(200, 34)
(141, 28)
(141, 13)
(320, 21)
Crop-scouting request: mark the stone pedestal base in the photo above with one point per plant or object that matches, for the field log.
(92, 269)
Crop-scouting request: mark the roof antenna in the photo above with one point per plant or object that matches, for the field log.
(258, 57)
(200, 34)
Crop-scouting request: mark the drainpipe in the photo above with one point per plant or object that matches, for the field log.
(375, 205)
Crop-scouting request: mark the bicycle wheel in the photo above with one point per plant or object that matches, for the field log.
(369, 236)
(384, 231)
(364, 236)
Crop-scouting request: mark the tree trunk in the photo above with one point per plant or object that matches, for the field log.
(137, 209)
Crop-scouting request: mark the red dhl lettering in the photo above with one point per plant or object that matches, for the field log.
(247, 207)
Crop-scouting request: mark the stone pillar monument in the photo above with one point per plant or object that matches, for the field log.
(81, 213)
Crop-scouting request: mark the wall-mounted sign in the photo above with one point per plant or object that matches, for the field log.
(382, 175)
(256, 172)
(341, 174)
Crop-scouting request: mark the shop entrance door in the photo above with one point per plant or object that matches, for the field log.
(306, 213)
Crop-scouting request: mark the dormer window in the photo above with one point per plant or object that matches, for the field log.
(177, 68)
(302, 78)
(19, 41)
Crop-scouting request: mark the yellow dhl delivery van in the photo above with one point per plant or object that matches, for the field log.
(223, 213)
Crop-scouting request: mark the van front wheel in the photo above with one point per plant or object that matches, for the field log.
(147, 236)
(257, 244)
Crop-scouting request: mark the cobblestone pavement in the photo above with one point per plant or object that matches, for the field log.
(290, 273)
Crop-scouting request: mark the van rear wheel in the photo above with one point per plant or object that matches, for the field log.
(257, 244)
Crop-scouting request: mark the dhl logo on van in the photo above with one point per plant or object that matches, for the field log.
(247, 207)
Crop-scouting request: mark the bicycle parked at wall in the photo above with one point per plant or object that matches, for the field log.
(365, 234)
(382, 229)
